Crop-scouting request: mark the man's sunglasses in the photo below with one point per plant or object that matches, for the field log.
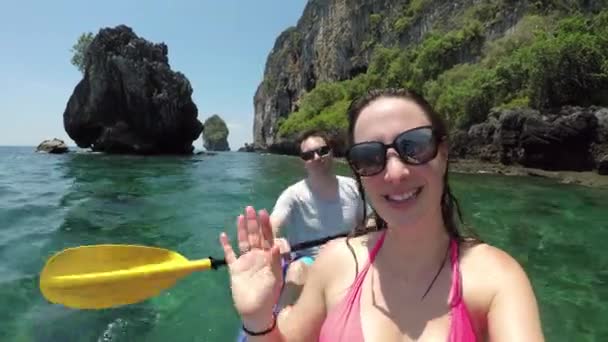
(321, 151)
(415, 147)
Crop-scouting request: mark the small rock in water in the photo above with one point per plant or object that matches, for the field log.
(52, 146)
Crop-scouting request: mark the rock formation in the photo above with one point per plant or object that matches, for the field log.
(247, 148)
(53, 146)
(572, 139)
(215, 134)
(130, 101)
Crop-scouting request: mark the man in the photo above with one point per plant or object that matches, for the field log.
(323, 204)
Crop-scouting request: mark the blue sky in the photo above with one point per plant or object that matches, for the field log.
(220, 45)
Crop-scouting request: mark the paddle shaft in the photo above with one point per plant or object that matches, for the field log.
(216, 263)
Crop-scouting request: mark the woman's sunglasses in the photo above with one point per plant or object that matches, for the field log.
(321, 151)
(415, 147)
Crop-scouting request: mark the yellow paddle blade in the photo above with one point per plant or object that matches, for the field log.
(103, 276)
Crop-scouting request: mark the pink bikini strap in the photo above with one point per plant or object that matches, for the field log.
(374, 251)
(456, 290)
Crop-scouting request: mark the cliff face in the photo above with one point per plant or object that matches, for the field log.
(333, 40)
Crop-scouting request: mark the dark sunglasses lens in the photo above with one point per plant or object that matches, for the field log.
(367, 159)
(323, 151)
(417, 146)
(307, 155)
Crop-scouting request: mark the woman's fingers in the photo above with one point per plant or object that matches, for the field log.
(267, 235)
(253, 228)
(275, 257)
(241, 232)
(229, 255)
(254, 231)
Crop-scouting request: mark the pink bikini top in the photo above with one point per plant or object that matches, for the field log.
(343, 323)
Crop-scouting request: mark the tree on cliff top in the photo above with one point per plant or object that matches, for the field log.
(79, 50)
(215, 134)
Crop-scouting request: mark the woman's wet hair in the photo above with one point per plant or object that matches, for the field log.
(450, 209)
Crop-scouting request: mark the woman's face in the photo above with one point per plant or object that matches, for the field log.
(401, 193)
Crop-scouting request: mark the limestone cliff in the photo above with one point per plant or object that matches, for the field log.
(333, 40)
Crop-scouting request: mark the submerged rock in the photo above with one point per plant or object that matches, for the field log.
(130, 101)
(53, 146)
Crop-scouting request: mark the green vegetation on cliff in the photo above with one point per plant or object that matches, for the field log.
(79, 50)
(549, 59)
(411, 13)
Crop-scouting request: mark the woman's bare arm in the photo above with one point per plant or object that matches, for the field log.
(513, 314)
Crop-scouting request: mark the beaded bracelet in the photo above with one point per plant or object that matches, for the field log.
(260, 333)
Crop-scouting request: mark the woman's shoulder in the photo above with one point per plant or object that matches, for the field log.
(341, 253)
(487, 270)
(361, 243)
(488, 258)
(499, 293)
(338, 249)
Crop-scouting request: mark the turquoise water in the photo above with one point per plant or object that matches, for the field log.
(51, 202)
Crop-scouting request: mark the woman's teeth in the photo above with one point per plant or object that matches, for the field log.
(403, 197)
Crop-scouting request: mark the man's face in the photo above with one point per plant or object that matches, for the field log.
(316, 154)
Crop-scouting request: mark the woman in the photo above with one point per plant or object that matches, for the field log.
(415, 277)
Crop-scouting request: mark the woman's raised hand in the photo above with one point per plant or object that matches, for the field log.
(255, 275)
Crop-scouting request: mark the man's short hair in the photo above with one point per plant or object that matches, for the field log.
(313, 133)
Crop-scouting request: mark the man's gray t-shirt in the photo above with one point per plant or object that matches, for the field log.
(307, 217)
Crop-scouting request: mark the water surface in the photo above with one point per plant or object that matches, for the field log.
(51, 202)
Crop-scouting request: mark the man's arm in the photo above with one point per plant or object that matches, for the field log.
(281, 212)
(277, 223)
